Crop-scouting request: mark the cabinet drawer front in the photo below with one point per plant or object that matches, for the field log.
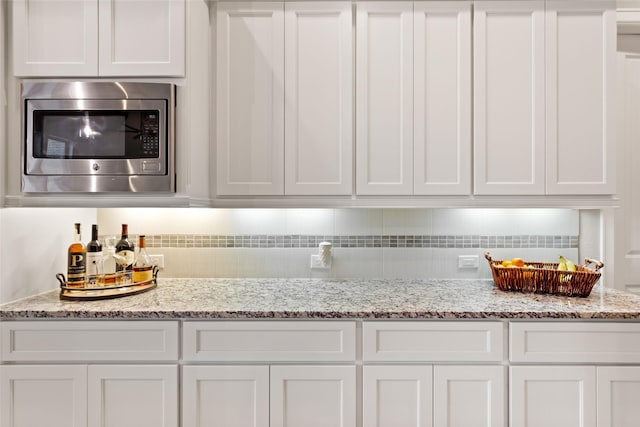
(575, 342)
(432, 341)
(269, 341)
(25, 341)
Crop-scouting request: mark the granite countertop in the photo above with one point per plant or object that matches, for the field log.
(332, 299)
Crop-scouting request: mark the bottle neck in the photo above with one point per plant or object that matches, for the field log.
(94, 233)
(125, 231)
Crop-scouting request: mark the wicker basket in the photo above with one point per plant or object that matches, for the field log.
(545, 278)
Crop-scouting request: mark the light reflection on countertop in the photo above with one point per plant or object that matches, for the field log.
(332, 299)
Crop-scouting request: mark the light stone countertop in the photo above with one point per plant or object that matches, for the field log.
(330, 299)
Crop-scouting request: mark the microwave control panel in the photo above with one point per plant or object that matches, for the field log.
(150, 134)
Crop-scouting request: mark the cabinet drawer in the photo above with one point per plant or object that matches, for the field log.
(432, 341)
(575, 342)
(269, 341)
(25, 341)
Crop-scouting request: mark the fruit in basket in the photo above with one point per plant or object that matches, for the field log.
(518, 262)
(566, 264)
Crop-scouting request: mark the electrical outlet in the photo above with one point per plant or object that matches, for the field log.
(157, 260)
(316, 263)
(468, 261)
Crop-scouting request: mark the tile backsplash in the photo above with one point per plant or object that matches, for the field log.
(367, 243)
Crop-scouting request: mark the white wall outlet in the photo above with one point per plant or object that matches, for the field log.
(468, 261)
(157, 260)
(317, 264)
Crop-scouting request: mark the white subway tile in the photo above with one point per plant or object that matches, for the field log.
(361, 222)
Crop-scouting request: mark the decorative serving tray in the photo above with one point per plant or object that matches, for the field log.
(104, 292)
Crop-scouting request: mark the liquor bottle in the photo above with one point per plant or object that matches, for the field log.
(142, 267)
(94, 259)
(76, 261)
(124, 256)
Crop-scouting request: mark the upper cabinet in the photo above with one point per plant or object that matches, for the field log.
(413, 95)
(89, 38)
(543, 97)
(284, 98)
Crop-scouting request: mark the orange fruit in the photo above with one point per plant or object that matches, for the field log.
(518, 262)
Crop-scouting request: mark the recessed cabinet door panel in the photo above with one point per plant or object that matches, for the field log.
(618, 391)
(250, 99)
(581, 67)
(552, 396)
(132, 395)
(509, 97)
(442, 105)
(397, 396)
(223, 396)
(384, 98)
(142, 37)
(313, 396)
(469, 396)
(55, 37)
(319, 98)
(43, 395)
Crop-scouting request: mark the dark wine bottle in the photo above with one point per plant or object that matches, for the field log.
(125, 254)
(94, 258)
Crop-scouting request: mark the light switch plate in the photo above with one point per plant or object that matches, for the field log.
(468, 261)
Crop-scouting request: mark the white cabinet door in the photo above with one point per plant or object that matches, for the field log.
(397, 396)
(318, 98)
(384, 98)
(508, 114)
(250, 98)
(442, 91)
(313, 396)
(132, 396)
(469, 396)
(55, 37)
(618, 391)
(142, 37)
(43, 395)
(580, 84)
(552, 396)
(225, 396)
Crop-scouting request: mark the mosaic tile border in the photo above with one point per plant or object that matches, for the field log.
(353, 241)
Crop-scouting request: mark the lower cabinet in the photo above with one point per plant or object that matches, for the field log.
(425, 396)
(275, 396)
(89, 395)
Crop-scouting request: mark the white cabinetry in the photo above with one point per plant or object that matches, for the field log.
(618, 388)
(89, 394)
(413, 94)
(258, 44)
(583, 391)
(275, 394)
(98, 37)
(543, 97)
(433, 395)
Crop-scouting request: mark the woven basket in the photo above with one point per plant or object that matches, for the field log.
(545, 278)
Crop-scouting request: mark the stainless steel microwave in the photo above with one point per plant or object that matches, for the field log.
(98, 137)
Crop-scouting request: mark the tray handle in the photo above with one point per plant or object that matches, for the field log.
(598, 264)
(61, 279)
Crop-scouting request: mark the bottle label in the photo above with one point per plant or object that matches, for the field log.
(76, 268)
(94, 267)
(124, 260)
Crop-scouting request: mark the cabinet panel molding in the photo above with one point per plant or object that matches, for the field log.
(432, 341)
(509, 94)
(442, 98)
(250, 98)
(318, 98)
(566, 342)
(618, 388)
(384, 98)
(269, 341)
(89, 340)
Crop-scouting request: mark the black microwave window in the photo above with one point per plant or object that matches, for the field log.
(94, 134)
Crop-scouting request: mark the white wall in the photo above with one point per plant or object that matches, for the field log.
(33, 247)
(362, 262)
